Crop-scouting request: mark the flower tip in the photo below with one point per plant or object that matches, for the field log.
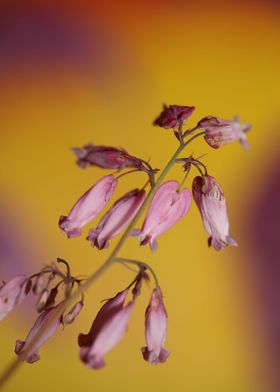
(244, 143)
(65, 225)
(100, 243)
(219, 244)
(153, 358)
(91, 361)
(34, 357)
(231, 241)
(79, 152)
(96, 363)
(216, 243)
(153, 245)
(19, 346)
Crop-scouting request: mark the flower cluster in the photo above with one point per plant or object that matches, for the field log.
(111, 322)
(46, 285)
(167, 202)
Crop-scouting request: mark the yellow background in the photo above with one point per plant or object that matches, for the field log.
(225, 60)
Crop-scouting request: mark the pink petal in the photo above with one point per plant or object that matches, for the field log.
(22, 348)
(166, 209)
(12, 294)
(117, 218)
(88, 206)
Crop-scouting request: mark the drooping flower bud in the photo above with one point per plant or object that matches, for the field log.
(173, 116)
(117, 218)
(107, 330)
(142, 276)
(42, 301)
(167, 207)
(12, 294)
(73, 313)
(209, 197)
(106, 157)
(220, 132)
(43, 323)
(52, 297)
(155, 329)
(40, 284)
(88, 206)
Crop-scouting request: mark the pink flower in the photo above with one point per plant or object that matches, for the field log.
(155, 329)
(12, 294)
(167, 207)
(220, 132)
(209, 197)
(118, 217)
(107, 330)
(106, 157)
(26, 350)
(88, 206)
(173, 116)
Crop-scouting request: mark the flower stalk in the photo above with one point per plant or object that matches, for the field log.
(57, 313)
(167, 203)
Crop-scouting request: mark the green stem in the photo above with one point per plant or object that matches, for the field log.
(139, 264)
(198, 168)
(9, 371)
(183, 181)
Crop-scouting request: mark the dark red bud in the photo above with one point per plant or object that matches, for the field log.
(106, 157)
(173, 116)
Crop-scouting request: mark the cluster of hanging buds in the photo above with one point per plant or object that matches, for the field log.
(51, 287)
(167, 203)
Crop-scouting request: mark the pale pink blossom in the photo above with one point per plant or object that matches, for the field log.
(107, 330)
(117, 218)
(12, 294)
(155, 329)
(209, 197)
(220, 132)
(173, 116)
(167, 207)
(28, 350)
(88, 206)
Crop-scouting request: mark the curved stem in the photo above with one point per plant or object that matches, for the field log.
(125, 173)
(139, 264)
(104, 267)
(201, 164)
(198, 168)
(59, 260)
(183, 181)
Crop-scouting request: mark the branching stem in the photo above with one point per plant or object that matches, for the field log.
(14, 365)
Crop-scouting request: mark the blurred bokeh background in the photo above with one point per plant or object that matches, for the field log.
(78, 72)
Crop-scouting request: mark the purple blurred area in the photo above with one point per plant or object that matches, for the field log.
(264, 267)
(18, 252)
(44, 38)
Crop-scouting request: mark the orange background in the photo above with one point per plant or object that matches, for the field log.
(79, 72)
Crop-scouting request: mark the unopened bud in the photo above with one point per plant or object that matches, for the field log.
(41, 304)
(39, 286)
(136, 291)
(74, 312)
(28, 286)
(52, 297)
